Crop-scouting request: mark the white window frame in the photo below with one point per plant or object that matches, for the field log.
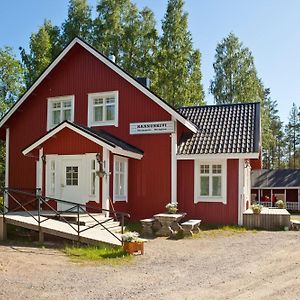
(197, 175)
(91, 98)
(124, 160)
(50, 109)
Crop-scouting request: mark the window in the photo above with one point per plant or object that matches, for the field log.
(52, 177)
(103, 109)
(71, 176)
(59, 110)
(210, 181)
(120, 178)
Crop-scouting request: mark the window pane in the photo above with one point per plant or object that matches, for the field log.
(67, 104)
(110, 101)
(110, 113)
(98, 113)
(217, 169)
(217, 184)
(93, 164)
(204, 169)
(67, 115)
(56, 117)
(93, 183)
(56, 105)
(117, 184)
(98, 101)
(121, 166)
(204, 186)
(122, 185)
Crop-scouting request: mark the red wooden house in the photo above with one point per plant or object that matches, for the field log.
(88, 131)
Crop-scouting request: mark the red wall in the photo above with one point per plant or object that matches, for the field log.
(80, 73)
(213, 213)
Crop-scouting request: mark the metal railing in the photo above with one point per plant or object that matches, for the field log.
(39, 202)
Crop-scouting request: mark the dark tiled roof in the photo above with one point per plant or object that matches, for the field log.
(109, 138)
(275, 178)
(230, 128)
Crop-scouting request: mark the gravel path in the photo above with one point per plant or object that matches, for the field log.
(262, 265)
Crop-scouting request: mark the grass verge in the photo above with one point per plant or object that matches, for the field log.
(101, 254)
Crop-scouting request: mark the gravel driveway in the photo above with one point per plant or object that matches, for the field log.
(262, 265)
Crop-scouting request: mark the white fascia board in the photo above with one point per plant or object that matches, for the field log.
(59, 128)
(116, 150)
(107, 62)
(217, 156)
(37, 82)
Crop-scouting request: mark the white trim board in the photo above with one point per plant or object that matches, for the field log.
(112, 66)
(116, 150)
(217, 156)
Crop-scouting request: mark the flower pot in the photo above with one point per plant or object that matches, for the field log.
(133, 247)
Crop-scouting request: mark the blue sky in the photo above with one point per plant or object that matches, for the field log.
(270, 28)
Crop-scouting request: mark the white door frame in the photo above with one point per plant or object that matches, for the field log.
(85, 176)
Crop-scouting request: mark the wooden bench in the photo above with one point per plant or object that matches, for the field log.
(190, 227)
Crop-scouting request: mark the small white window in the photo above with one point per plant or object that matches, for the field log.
(52, 177)
(59, 110)
(210, 181)
(120, 178)
(93, 178)
(103, 109)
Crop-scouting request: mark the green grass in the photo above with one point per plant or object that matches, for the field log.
(214, 230)
(295, 217)
(101, 253)
(133, 226)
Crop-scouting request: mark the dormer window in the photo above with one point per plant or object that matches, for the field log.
(103, 109)
(59, 110)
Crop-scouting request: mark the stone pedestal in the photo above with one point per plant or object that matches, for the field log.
(147, 225)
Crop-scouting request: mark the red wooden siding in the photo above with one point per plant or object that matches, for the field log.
(79, 74)
(213, 213)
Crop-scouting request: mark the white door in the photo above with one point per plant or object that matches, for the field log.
(72, 182)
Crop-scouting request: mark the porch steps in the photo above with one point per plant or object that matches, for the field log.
(68, 231)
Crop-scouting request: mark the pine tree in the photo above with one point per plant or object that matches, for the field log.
(44, 47)
(178, 64)
(236, 79)
(78, 22)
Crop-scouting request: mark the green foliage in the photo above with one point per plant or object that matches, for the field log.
(78, 23)
(44, 47)
(236, 79)
(1, 204)
(11, 79)
(178, 63)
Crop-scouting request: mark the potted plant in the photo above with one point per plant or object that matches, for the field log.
(172, 208)
(279, 204)
(256, 208)
(132, 243)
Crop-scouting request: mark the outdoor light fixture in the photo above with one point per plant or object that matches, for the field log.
(101, 172)
(43, 157)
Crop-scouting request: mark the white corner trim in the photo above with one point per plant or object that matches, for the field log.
(208, 199)
(6, 165)
(174, 165)
(91, 97)
(49, 108)
(106, 181)
(112, 66)
(241, 191)
(217, 156)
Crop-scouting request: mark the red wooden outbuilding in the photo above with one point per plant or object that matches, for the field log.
(87, 131)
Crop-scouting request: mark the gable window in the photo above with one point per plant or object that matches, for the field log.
(210, 181)
(59, 110)
(120, 178)
(103, 109)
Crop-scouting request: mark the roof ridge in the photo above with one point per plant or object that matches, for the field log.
(221, 105)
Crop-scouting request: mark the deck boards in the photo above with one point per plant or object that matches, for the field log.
(58, 228)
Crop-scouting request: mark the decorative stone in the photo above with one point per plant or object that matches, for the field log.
(147, 227)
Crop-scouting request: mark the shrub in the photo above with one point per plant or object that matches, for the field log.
(172, 208)
(279, 204)
(256, 208)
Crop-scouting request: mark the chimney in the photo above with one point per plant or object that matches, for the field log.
(145, 81)
(112, 58)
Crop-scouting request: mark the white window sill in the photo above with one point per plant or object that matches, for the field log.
(120, 200)
(104, 124)
(209, 199)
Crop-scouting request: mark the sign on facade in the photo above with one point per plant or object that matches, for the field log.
(152, 127)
